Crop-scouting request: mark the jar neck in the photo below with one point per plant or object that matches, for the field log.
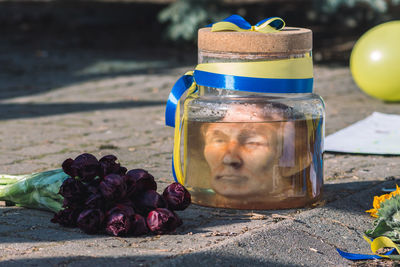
(205, 91)
(226, 57)
(220, 57)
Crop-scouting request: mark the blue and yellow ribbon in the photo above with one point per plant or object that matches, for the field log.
(293, 75)
(239, 24)
(376, 244)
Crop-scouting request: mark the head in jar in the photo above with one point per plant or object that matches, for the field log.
(245, 151)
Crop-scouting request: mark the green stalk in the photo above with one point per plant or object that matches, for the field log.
(37, 190)
(6, 179)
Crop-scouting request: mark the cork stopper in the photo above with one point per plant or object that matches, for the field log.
(289, 40)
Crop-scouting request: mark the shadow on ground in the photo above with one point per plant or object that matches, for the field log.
(197, 219)
(28, 110)
(226, 260)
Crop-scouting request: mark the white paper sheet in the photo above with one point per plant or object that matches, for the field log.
(376, 134)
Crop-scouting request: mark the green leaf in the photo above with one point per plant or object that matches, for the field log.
(380, 227)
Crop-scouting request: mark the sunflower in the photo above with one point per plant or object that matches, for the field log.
(379, 199)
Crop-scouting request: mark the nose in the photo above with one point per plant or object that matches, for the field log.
(232, 156)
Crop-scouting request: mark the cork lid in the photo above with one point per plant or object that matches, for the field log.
(288, 40)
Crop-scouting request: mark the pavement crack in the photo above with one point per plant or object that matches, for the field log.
(348, 227)
(318, 237)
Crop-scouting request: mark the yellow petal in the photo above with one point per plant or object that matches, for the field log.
(372, 212)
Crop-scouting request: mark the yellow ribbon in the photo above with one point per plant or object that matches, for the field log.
(292, 68)
(177, 137)
(264, 27)
(381, 242)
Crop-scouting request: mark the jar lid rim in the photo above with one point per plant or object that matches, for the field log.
(289, 40)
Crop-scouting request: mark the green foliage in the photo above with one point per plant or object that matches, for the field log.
(353, 13)
(185, 17)
(332, 6)
(388, 221)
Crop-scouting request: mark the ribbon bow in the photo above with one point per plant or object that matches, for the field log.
(239, 24)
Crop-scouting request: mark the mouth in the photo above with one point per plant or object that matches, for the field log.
(234, 179)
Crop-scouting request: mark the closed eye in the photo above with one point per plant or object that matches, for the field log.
(216, 137)
(218, 140)
(256, 141)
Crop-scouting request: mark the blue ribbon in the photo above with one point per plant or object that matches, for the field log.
(243, 24)
(177, 91)
(251, 84)
(356, 257)
(231, 82)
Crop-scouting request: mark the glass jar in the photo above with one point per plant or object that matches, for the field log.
(251, 150)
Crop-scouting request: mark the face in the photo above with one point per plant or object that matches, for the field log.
(241, 155)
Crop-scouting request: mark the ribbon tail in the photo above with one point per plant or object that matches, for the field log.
(383, 242)
(226, 26)
(176, 155)
(268, 25)
(356, 257)
(231, 23)
(179, 88)
(172, 118)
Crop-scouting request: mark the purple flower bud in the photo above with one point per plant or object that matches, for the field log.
(177, 197)
(93, 186)
(67, 167)
(148, 201)
(85, 166)
(73, 191)
(139, 226)
(109, 165)
(95, 201)
(113, 187)
(90, 221)
(118, 224)
(139, 180)
(130, 186)
(73, 203)
(125, 207)
(162, 221)
(66, 217)
(119, 220)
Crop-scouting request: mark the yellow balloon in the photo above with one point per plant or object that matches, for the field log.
(375, 61)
